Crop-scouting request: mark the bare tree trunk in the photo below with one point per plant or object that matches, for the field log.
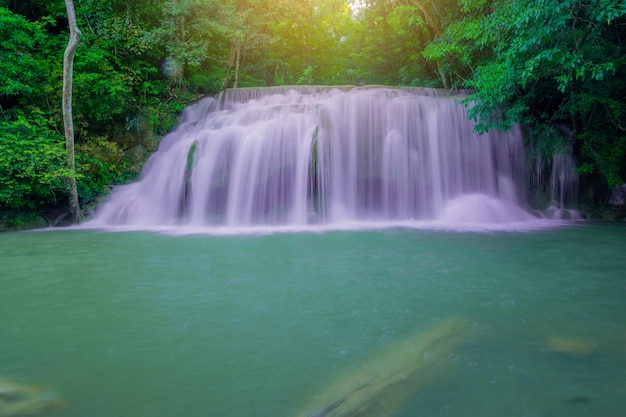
(68, 68)
(180, 63)
(234, 58)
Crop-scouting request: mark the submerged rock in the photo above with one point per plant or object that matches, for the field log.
(387, 382)
(24, 400)
(571, 345)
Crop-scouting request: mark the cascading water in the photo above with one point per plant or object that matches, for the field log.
(563, 185)
(302, 156)
(554, 183)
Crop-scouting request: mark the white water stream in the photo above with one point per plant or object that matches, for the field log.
(325, 157)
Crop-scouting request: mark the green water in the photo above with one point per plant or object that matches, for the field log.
(139, 324)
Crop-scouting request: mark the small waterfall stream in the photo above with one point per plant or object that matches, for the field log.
(323, 156)
(563, 188)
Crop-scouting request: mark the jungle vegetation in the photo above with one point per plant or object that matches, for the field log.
(555, 65)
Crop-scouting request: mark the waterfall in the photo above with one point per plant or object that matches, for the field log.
(563, 187)
(553, 177)
(296, 156)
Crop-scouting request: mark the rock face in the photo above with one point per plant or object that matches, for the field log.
(25, 400)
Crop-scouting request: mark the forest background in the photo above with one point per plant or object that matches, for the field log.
(556, 66)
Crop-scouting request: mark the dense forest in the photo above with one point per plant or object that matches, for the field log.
(557, 66)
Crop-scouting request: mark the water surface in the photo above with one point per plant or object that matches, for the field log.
(144, 324)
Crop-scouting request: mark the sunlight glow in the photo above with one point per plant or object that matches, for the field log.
(357, 5)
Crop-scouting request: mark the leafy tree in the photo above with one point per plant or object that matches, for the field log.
(545, 63)
(554, 65)
(390, 38)
(461, 47)
(31, 150)
(32, 163)
(17, 64)
(244, 24)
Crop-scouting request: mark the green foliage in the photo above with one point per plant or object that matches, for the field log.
(545, 63)
(458, 51)
(98, 164)
(17, 41)
(32, 163)
(140, 63)
(307, 76)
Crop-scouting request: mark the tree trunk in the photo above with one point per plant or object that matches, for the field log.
(234, 62)
(427, 17)
(68, 68)
(237, 63)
